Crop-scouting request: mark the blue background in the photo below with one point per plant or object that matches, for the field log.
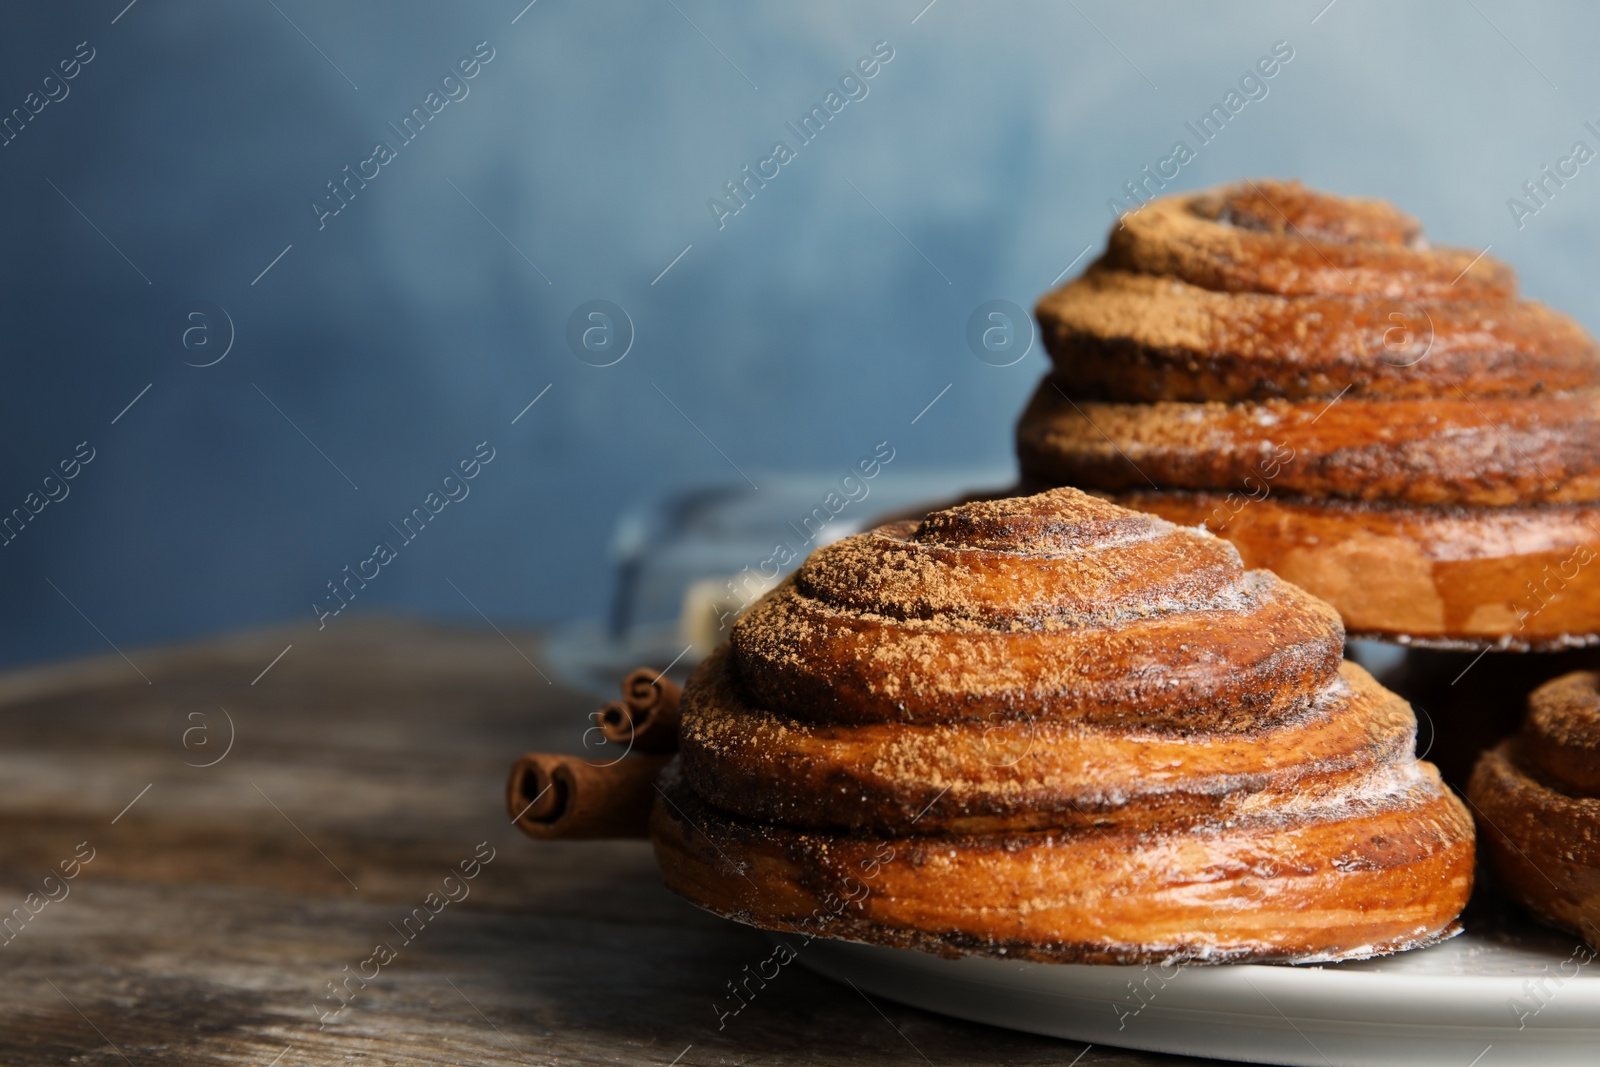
(409, 329)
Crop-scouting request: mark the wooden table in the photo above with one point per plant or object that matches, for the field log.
(366, 765)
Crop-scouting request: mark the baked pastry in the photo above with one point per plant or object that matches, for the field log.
(1052, 728)
(1381, 422)
(1537, 798)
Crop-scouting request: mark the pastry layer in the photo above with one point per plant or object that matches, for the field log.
(1283, 238)
(981, 777)
(1515, 577)
(1490, 451)
(1139, 337)
(1357, 879)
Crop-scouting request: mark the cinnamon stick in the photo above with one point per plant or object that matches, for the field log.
(646, 718)
(554, 796)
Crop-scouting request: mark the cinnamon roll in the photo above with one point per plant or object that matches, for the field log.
(1537, 798)
(1380, 421)
(1053, 728)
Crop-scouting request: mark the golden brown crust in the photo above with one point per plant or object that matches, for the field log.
(1354, 881)
(1087, 735)
(1516, 578)
(1492, 451)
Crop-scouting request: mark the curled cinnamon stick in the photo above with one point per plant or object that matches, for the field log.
(553, 796)
(646, 718)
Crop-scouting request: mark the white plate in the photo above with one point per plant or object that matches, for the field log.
(1513, 994)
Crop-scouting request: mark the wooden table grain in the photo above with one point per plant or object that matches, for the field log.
(265, 809)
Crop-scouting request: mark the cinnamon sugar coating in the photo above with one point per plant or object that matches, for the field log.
(1141, 337)
(1280, 237)
(1087, 734)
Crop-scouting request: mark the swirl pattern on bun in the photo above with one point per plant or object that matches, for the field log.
(1082, 733)
(1537, 797)
(1264, 339)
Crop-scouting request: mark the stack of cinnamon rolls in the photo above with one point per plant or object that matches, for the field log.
(1054, 728)
(1382, 422)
